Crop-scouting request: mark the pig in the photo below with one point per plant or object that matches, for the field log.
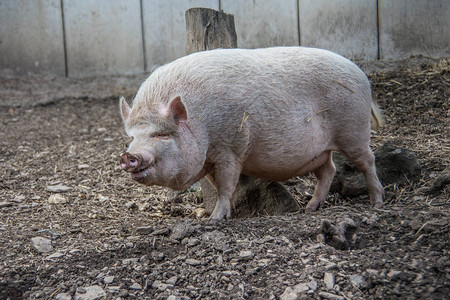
(271, 113)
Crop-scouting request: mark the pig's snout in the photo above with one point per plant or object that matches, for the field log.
(130, 162)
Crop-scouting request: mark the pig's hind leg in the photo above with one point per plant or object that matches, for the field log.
(364, 160)
(324, 175)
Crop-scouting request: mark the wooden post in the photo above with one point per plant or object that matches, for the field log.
(208, 29)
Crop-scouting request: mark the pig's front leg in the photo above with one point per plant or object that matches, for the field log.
(224, 179)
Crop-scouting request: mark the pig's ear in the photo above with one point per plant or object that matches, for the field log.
(177, 110)
(124, 109)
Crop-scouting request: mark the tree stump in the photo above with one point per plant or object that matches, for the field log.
(209, 29)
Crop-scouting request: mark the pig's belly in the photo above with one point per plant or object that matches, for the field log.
(283, 167)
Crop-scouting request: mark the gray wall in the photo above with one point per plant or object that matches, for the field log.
(89, 37)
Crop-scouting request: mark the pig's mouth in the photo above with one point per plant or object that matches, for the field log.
(140, 174)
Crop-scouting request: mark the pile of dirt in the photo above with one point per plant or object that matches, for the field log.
(102, 235)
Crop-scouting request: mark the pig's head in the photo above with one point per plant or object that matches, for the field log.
(163, 150)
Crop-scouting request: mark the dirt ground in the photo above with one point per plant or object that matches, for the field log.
(114, 239)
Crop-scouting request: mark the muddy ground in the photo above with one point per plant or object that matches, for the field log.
(114, 239)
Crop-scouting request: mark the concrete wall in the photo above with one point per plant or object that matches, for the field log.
(103, 36)
(31, 37)
(348, 27)
(77, 38)
(411, 27)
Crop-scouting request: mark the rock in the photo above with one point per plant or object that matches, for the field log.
(130, 204)
(5, 204)
(356, 280)
(288, 294)
(19, 198)
(144, 230)
(439, 184)
(58, 188)
(393, 274)
(296, 290)
(83, 166)
(216, 239)
(199, 212)
(181, 230)
(301, 287)
(172, 280)
(57, 199)
(93, 292)
(130, 261)
(42, 245)
(63, 296)
(159, 285)
(246, 254)
(394, 165)
(136, 286)
(57, 254)
(193, 262)
(329, 280)
(340, 236)
(253, 197)
(108, 279)
(330, 296)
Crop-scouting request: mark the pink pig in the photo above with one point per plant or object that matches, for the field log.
(272, 113)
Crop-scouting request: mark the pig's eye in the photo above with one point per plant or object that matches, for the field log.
(129, 140)
(160, 135)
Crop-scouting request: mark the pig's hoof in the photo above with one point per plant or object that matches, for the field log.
(214, 221)
(378, 205)
(311, 207)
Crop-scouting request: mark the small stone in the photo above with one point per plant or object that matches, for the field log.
(330, 296)
(42, 245)
(101, 129)
(191, 242)
(331, 266)
(130, 261)
(19, 198)
(246, 254)
(172, 280)
(300, 288)
(57, 254)
(113, 288)
(329, 280)
(159, 285)
(356, 279)
(181, 230)
(193, 262)
(373, 272)
(102, 198)
(93, 292)
(108, 279)
(143, 206)
(393, 274)
(130, 204)
(5, 204)
(58, 188)
(136, 286)
(288, 294)
(230, 273)
(63, 296)
(57, 199)
(312, 285)
(144, 229)
(199, 212)
(83, 166)
(75, 251)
